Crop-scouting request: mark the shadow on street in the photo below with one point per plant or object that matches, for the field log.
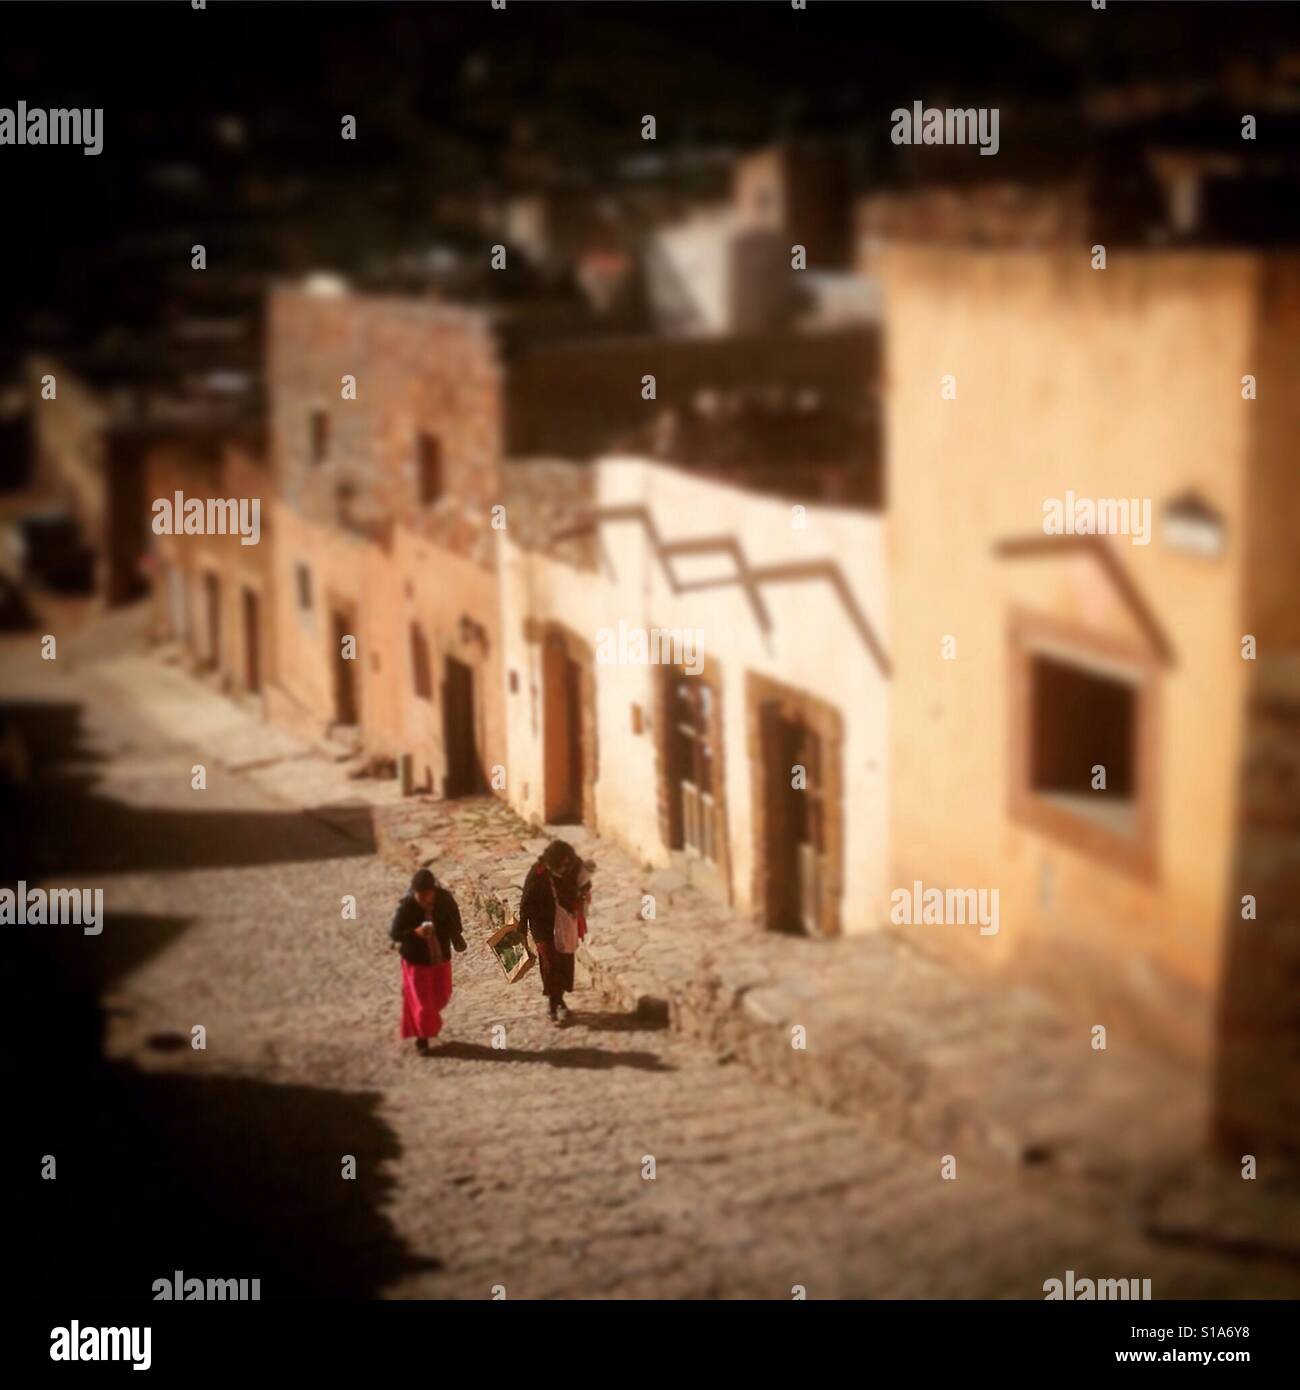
(215, 1176)
(587, 1057)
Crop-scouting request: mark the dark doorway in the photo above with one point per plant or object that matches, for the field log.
(126, 537)
(212, 615)
(694, 792)
(17, 453)
(252, 643)
(795, 817)
(562, 717)
(464, 771)
(347, 707)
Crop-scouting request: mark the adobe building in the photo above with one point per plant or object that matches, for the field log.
(731, 516)
(385, 421)
(745, 739)
(212, 590)
(1021, 383)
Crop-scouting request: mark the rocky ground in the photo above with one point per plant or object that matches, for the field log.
(524, 1167)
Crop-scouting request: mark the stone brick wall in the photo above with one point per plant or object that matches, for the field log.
(420, 369)
(1257, 1063)
(1258, 1055)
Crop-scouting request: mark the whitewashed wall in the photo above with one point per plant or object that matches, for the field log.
(812, 645)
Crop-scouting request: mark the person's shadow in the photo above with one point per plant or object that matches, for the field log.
(606, 1022)
(591, 1058)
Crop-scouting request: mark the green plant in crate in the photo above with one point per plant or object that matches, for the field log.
(504, 936)
(490, 905)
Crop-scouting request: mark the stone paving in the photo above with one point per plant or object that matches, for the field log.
(932, 1055)
(521, 1166)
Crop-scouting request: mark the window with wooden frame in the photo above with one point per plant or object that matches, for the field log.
(1083, 738)
(691, 764)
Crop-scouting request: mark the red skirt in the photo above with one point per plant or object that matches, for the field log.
(425, 992)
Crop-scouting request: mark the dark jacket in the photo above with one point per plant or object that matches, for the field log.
(537, 904)
(541, 891)
(445, 916)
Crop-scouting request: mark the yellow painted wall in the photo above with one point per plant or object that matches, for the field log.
(1122, 382)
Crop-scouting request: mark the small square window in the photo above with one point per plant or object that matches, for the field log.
(1083, 717)
(1083, 730)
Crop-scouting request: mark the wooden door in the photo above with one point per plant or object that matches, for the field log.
(562, 733)
(464, 770)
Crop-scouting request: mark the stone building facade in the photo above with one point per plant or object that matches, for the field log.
(212, 593)
(385, 447)
(919, 690)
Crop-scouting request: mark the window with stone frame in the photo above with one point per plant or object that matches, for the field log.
(1083, 740)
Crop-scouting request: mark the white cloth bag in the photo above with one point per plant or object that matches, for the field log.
(566, 928)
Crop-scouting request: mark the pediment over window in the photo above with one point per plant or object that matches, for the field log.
(1039, 547)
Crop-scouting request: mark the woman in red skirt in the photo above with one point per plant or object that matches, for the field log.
(427, 927)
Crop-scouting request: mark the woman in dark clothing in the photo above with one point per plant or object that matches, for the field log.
(427, 927)
(553, 882)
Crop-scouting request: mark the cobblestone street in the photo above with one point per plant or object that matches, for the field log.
(481, 1166)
